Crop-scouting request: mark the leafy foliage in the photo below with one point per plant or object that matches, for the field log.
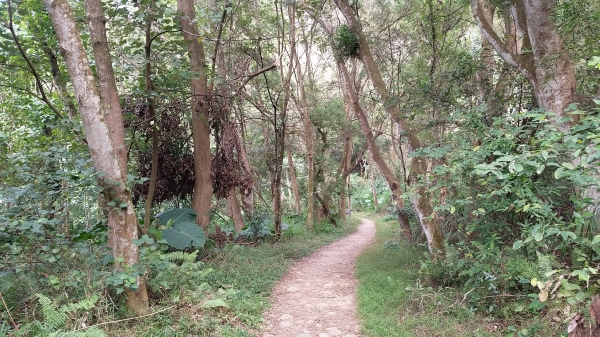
(346, 43)
(183, 231)
(518, 200)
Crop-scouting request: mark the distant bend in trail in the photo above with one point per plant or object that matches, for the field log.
(317, 297)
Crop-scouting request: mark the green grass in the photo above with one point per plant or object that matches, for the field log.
(243, 275)
(393, 302)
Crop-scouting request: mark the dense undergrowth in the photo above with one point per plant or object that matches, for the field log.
(395, 298)
(221, 291)
(515, 200)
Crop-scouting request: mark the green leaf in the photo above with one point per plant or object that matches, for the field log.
(539, 236)
(177, 215)
(184, 234)
(518, 244)
(540, 169)
(215, 303)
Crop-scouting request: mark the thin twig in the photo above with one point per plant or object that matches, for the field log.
(122, 320)
(8, 311)
(465, 297)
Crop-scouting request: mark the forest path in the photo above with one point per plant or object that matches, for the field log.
(317, 297)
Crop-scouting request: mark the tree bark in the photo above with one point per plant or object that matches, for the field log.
(373, 189)
(422, 204)
(109, 94)
(234, 208)
(310, 147)
(154, 133)
(104, 143)
(60, 82)
(293, 180)
(201, 199)
(542, 60)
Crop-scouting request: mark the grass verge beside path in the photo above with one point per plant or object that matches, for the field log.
(243, 276)
(392, 301)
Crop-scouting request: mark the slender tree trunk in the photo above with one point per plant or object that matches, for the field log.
(153, 124)
(234, 208)
(389, 176)
(422, 203)
(201, 200)
(310, 147)
(104, 143)
(373, 189)
(247, 194)
(345, 163)
(293, 180)
(279, 118)
(60, 82)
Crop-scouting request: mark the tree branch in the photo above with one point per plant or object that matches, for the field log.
(38, 81)
(488, 31)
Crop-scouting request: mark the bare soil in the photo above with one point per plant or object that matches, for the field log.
(317, 297)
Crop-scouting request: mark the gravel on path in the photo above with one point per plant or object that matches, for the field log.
(317, 296)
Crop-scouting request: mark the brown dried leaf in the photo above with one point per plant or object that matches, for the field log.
(575, 328)
(543, 296)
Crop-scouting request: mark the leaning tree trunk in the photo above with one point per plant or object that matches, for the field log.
(422, 203)
(388, 174)
(105, 144)
(201, 200)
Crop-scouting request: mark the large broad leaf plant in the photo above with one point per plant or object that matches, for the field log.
(182, 231)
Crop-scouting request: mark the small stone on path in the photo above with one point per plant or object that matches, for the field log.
(285, 324)
(285, 317)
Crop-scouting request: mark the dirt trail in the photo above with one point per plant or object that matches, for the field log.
(317, 297)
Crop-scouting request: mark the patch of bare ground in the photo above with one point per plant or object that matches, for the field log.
(317, 297)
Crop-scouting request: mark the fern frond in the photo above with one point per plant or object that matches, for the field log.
(84, 304)
(53, 318)
(179, 256)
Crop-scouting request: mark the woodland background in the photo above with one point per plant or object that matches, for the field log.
(142, 141)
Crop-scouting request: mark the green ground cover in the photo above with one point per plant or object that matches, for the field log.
(392, 301)
(243, 276)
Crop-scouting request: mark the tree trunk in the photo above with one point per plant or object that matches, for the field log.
(389, 176)
(373, 189)
(104, 143)
(247, 194)
(294, 182)
(279, 126)
(542, 60)
(345, 163)
(153, 124)
(109, 94)
(201, 199)
(234, 208)
(310, 148)
(422, 204)
(60, 82)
